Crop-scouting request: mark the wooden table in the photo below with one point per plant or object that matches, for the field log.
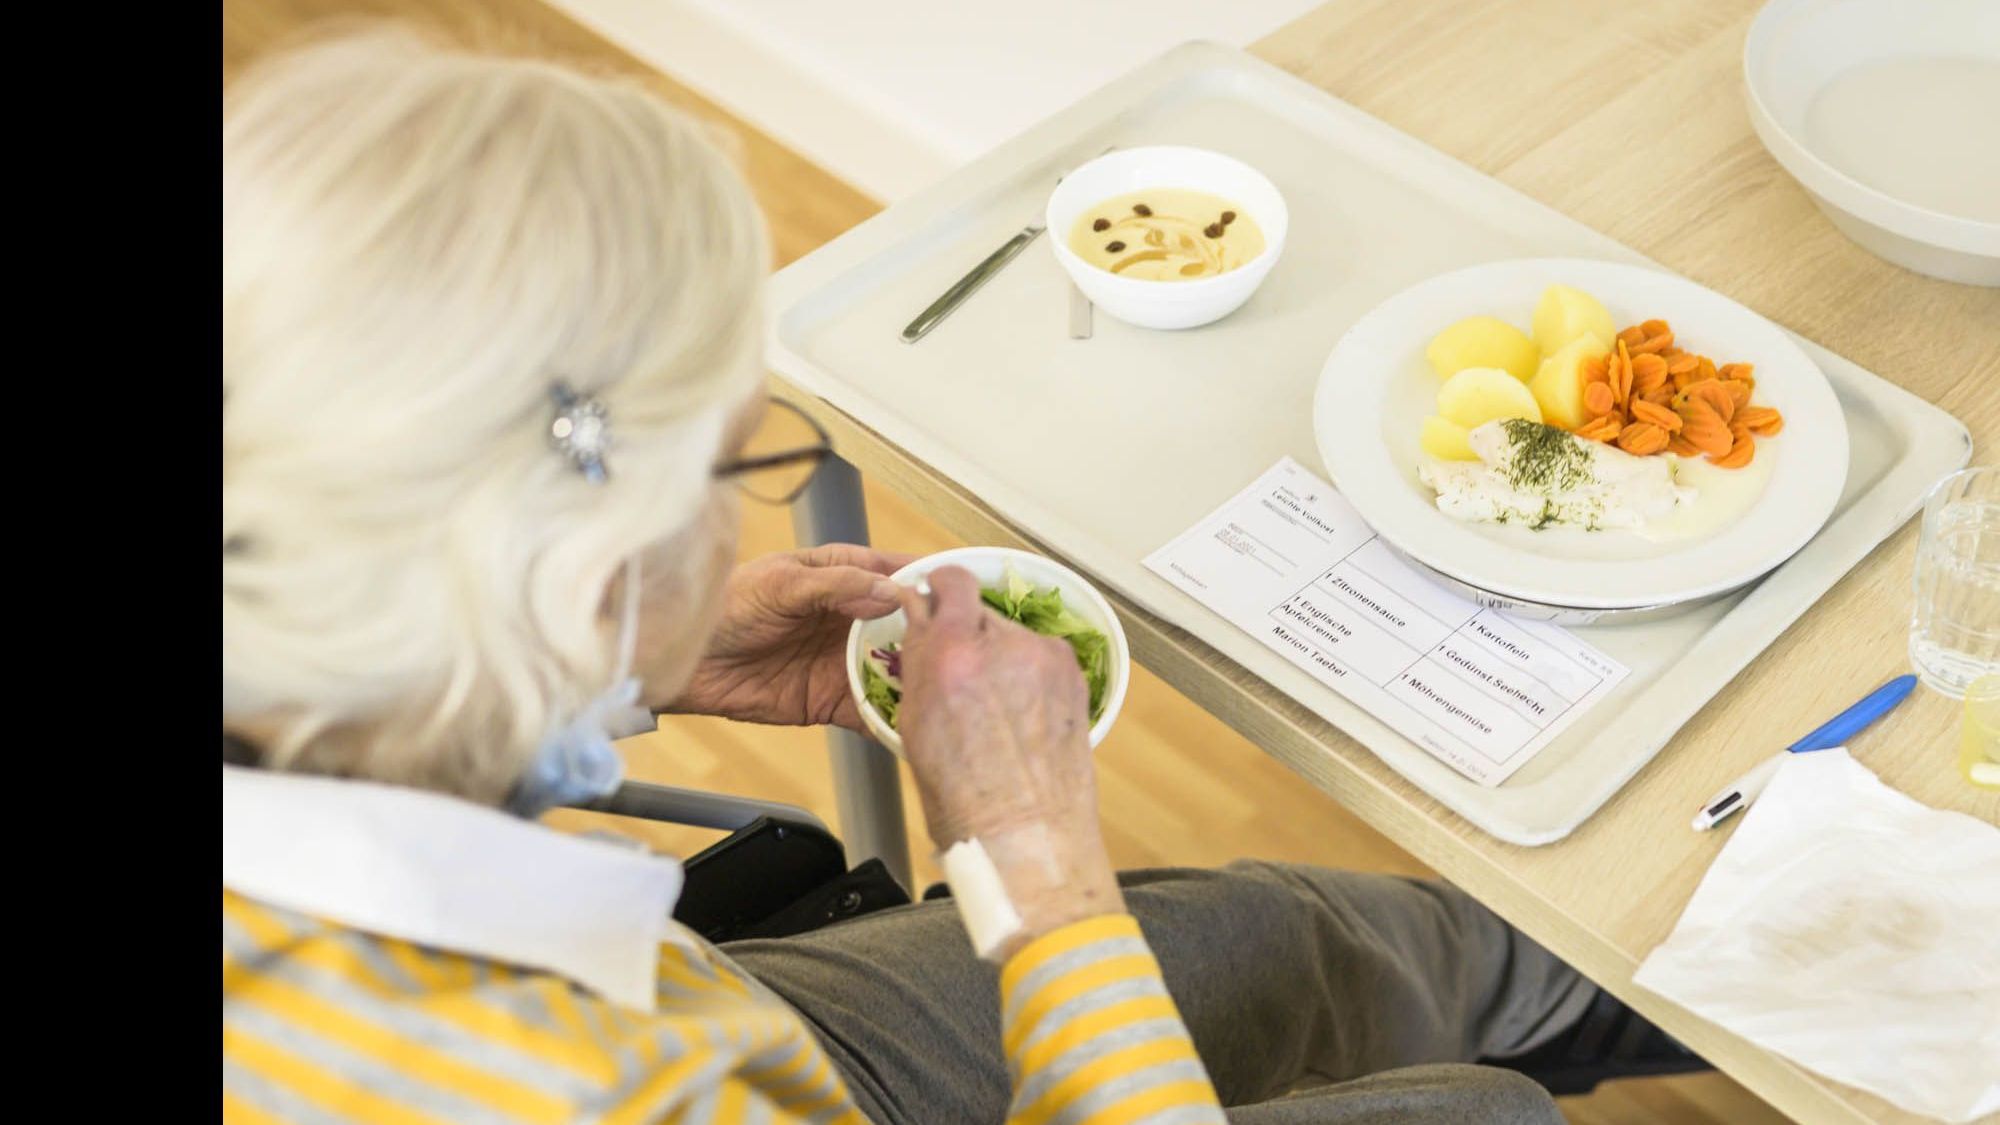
(1629, 117)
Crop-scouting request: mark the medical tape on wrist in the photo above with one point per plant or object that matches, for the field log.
(988, 901)
(989, 915)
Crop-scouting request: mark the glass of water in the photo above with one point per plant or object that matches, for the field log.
(1955, 629)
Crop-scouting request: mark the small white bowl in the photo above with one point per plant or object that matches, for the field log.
(989, 565)
(1167, 304)
(1855, 99)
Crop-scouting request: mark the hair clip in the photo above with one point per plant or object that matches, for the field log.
(580, 431)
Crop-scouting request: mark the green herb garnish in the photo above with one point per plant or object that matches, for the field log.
(1546, 459)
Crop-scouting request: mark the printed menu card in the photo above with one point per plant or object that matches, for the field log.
(1290, 562)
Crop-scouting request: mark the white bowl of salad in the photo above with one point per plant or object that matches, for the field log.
(1039, 593)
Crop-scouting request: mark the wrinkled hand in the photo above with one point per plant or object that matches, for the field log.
(778, 654)
(995, 724)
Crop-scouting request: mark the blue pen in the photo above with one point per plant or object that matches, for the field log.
(1836, 732)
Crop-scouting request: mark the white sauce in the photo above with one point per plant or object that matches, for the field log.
(1725, 495)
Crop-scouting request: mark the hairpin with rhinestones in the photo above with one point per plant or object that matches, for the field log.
(580, 431)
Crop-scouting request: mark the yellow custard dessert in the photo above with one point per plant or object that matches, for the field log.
(1167, 234)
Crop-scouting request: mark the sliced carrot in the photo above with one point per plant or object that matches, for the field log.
(1715, 395)
(1597, 400)
(1742, 448)
(1703, 427)
(1649, 374)
(1642, 438)
(1601, 429)
(1764, 421)
(1645, 411)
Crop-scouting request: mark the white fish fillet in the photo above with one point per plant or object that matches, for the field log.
(1619, 490)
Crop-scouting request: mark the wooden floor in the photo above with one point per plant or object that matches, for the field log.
(1177, 787)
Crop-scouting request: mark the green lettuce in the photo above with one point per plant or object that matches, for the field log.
(1041, 610)
(882, 695)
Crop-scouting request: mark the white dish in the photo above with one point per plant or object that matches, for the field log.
(1167, 304)
(990, 565)
(1376, 388)
(1877, 107)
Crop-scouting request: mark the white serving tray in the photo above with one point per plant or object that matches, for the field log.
(1104, 449)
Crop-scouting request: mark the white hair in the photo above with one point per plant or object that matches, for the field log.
(417, 244)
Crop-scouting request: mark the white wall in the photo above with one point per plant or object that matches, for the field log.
(891, 94)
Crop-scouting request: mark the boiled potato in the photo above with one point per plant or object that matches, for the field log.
(1478, 395)
(1565, 314)
(1558, 386)
(1444, 439)
(1483, 341)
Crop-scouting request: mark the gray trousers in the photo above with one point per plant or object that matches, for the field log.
(1372, 992)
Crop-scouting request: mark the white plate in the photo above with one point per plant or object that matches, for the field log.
(1376, 388)
(1868, 104)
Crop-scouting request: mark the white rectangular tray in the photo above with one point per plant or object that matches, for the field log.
(1104, 449)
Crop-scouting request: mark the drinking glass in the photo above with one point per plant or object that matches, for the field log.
(1955, 628)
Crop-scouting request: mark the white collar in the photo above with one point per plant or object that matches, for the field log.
(443, 872)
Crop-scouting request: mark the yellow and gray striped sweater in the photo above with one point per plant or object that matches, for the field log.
(324, 1023)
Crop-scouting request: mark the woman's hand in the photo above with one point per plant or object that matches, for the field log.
(778, 653)
(995, 723)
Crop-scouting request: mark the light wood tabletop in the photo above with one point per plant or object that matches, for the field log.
(1629, 118)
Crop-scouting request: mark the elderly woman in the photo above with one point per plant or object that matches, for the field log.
(490, 334)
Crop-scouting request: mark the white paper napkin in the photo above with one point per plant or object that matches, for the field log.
(1857, 933)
